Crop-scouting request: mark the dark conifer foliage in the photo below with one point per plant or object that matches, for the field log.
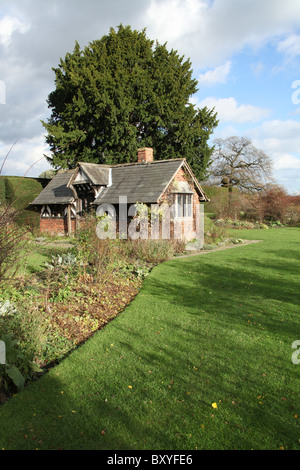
(122, 92)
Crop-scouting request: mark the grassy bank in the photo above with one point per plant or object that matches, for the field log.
(20, 192)
(201, 359)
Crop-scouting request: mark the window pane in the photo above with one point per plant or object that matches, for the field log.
(184, 205)
(189, 205)
(179, 206)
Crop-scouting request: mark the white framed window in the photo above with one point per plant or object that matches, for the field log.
(184, 206)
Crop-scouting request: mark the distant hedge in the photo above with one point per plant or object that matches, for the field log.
(2, 189)
(213, 192)
(218, 196)
(20, 192)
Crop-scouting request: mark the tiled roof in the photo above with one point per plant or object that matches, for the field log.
(139, 182)
(56, 192)
(98, 174)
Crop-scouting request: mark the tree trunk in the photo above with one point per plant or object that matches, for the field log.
(230, 200)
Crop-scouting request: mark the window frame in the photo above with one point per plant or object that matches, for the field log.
(184, 206)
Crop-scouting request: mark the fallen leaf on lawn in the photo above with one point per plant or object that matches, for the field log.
(214, 405)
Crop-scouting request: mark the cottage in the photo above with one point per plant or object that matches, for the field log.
(71, 193)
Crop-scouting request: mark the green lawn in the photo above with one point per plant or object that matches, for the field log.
(210, 329)
(39, 254)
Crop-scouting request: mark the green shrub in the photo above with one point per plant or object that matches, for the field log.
(236, 241)
(20, 332)
(10, 372)
(64, 261)
(127, 268)
(32, 340)
(93, 253)
(207, 246)
(214, 232)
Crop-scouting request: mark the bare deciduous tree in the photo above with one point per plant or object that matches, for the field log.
(238, 163)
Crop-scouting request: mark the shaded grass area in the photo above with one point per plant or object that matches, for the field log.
(210, 329)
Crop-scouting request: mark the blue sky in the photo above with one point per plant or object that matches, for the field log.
(244, 53)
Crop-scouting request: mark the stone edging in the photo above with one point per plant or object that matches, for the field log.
(219, 248)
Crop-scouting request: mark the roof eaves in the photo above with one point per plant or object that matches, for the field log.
(75, 173)
(205, 198)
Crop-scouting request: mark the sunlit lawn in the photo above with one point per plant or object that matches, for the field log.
(201, 359)
(37, 254)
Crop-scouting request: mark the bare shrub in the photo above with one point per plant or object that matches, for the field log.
(273, 205)
(151, 251)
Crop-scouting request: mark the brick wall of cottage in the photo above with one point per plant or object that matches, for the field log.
(186, 227)
(56, 225)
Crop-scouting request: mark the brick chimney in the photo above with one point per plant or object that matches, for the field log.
(145, 155)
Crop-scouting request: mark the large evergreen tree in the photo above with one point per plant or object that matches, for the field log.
(123, 92)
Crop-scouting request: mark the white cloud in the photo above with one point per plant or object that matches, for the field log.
(217, 75)
(290, 46)
(209, 33)
(278, 136)
(280, 139)
(26, 157)
(287, 162)
(289, 178)
(170, 20)
(230, 111)
(10, 24)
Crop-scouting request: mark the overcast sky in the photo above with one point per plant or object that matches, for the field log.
(245, 55)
